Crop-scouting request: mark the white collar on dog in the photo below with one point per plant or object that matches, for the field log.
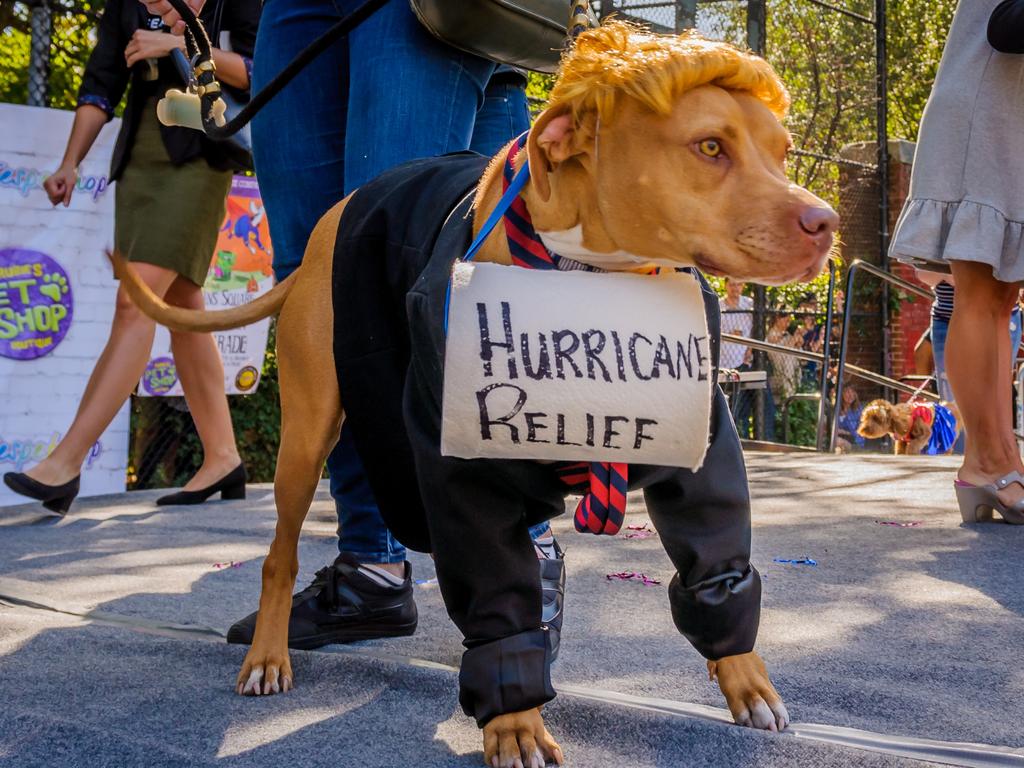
(569, 243)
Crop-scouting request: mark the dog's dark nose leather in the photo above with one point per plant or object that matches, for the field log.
(815, 220)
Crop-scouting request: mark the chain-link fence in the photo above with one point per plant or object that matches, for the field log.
(39, 54)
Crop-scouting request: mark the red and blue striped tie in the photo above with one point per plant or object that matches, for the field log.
(603, 506)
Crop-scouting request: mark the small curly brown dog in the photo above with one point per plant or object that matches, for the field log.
(909, 424)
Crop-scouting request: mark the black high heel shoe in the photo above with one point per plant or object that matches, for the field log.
(56, 498)
(231, 486)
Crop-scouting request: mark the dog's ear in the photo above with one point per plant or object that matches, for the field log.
(552, 141)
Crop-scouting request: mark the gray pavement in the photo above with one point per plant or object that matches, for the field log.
(903, 631)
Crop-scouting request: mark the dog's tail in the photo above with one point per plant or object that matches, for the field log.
(198, 320)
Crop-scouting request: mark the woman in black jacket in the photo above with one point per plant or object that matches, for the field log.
(169, 204)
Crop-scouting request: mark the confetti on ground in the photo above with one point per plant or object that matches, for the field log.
(897, 524)
(795, 561)
(632, 576)
(228, 564)
(640, 531)
(425, 582)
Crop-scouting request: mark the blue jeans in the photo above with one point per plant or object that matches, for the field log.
(746, 400)
(503, 116)
(412, 97)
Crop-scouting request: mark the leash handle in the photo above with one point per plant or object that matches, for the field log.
(204, 73)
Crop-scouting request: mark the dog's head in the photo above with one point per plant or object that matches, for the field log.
(669, 148)
(876, 420)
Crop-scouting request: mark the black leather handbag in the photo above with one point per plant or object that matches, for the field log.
(522, 33)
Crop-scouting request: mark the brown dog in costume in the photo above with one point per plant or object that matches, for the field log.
(911, 424)
(653, 150)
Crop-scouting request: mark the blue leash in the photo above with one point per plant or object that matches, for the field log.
(514, 188)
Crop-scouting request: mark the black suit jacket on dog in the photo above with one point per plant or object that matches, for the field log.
(396, 244)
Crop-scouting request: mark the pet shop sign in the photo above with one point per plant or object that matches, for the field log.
(36, 304)
(572, 366)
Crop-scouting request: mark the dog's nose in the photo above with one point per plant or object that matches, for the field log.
(818, 220)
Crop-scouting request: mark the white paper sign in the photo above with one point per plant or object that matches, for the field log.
(57, 296)
(576, 366)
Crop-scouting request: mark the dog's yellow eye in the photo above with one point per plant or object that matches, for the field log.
(710, 147)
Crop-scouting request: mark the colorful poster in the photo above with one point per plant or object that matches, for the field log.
(57, 296)
(239, 272)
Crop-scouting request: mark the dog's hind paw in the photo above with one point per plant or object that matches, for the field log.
(749, 692)
(519, 740)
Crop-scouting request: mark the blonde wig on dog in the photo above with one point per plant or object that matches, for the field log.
(618, 59)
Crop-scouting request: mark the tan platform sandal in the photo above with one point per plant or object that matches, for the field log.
(978, 502)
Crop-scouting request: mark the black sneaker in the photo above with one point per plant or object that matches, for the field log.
(342, 605)
(552, 585)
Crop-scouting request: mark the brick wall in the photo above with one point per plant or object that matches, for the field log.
(858, 238)
(869, 345)
(914, 313)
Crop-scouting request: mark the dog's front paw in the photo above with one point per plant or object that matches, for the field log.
(264, 672)
(519, 740)
(751, 697)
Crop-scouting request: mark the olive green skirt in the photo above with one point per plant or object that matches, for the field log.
(165, 214)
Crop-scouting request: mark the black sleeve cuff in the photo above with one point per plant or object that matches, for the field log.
(247, 61)
(97, 101)
(720, 615)
(508, 675)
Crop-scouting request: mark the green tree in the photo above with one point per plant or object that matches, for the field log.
(74, 26)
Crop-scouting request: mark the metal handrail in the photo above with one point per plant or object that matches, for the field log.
(817, 357)
(823, 417)
(841, 366)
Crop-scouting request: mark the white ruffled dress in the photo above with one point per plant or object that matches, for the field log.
(966, 199)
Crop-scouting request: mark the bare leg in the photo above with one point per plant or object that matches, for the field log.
(978, 364)
(202, 377)
(113, 379)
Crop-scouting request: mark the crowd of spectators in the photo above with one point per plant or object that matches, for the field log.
(798, 325)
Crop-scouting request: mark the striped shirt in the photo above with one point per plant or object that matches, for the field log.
(942, 307)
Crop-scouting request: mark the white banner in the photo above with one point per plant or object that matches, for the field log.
(240, 270)
(56, 296)
(576, 366)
